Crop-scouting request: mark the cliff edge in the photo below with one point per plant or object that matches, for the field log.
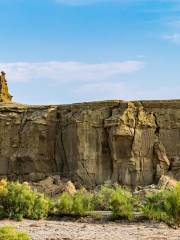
(133, 143)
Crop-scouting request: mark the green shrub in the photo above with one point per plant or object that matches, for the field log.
(163, 206)
(121, 203)
(10, 233)
(82, 203)
(40, 206)
(78, 204)
(52, 207)
(102, 198)
(64, 204)
(19, 200)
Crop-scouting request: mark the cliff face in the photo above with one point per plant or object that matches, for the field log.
(130, 142)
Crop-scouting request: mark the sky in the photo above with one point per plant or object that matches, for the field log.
(65, 51)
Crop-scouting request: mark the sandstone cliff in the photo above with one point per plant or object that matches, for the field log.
(133, 143)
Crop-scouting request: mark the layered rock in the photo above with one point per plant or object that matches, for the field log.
(5, 96)
(134, 143)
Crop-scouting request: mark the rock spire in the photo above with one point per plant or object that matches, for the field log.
(5, 96)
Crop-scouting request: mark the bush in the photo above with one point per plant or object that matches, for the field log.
(64, 204)
(121, 203)
(10, 233)
(76, 205)
(102, 198)
(163, 206)
(82, 203)
(19, 200)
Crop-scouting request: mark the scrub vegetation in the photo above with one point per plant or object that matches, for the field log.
(18, 201)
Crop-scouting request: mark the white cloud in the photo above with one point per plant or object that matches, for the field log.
(68, 71)
(172, 37)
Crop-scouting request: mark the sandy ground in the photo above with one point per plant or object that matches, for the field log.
(69, 230)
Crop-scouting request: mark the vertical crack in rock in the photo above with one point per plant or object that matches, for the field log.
(134, 132)
(58, 160)
(109, 150)
(108, 124)
(132, 162)
(63, 147)
(60, 149)
(108, 139)
(56, 145)
(162, 163)
(17, 164)
(20, 131)
(86, 171)
(157, 131)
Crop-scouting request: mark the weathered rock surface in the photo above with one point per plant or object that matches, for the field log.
(134, 143)
(166, 182)
(54, 185)
(5, 96)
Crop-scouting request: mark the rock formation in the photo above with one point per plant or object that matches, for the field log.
(4, 93)
(134, 143)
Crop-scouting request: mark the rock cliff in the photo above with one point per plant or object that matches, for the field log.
(133, 143)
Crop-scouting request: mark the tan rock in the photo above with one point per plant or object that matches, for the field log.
(49, 186)
(133, 143)
(70, 188)
(166, 182)
(4, 92)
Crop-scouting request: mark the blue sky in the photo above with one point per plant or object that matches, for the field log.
(63, 51)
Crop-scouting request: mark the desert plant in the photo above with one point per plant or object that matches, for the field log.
(77, 205)
(64, 204)
(102, 198)
(82, 203)
(163, 206)
(11, 233)
(40, 206)
(121, 203)
(19, 200)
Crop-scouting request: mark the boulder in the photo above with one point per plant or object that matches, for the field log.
(53, 186)
(70, 188)
(49, 186)
(166, 182)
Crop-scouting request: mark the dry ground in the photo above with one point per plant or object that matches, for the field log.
(74, 230)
